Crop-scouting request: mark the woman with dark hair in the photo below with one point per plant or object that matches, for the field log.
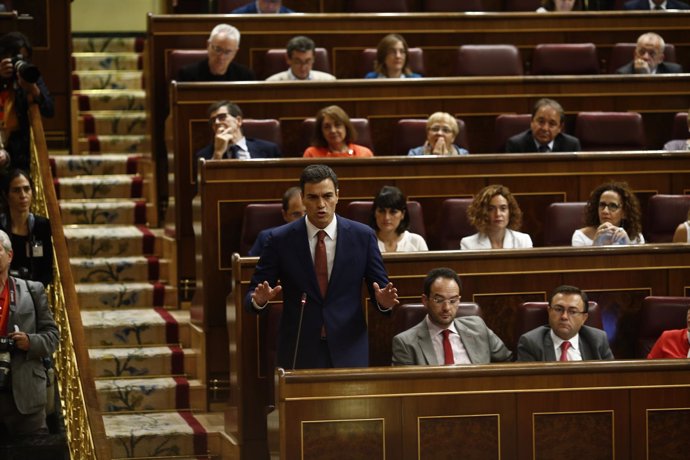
(392, 55)
(390, 219)
(32, 246)
(612, 216)
(334, 136)
(495, 214)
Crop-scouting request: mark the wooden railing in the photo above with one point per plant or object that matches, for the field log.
(83, 419)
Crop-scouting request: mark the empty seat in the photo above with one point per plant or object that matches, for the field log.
(610, 131)
(226, 6)
(415, 60)
(454, 224)
(361, 125)
(275, 61)
(562, 219)
(410, 314)
(258, 217)
(664, 213)
(522, 5)
(565, 59)
(659, 314)
(439, 6)
(411, 133)
(486, 60)
(361, 211)
(622, 53)
(378, 6)
(508, 125)
(178, 59)
(267, 130)
(680, 126)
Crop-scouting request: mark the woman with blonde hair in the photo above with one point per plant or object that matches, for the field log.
(441, 130)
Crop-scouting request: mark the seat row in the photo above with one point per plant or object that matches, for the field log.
(663, 214)
(597, 131)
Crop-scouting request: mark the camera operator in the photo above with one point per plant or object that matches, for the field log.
(20, 84)
(28, 334)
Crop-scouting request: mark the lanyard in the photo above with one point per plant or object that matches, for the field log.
(4, 307)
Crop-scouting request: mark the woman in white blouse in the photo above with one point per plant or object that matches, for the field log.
(390, 219)
(495, 214)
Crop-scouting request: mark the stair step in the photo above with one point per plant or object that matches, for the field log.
(107, 143)
(124, 295)
(121, 212)
(143, 361)
(99, 99)
(92, 165)
(111, 241)
(107, 61)
(131, 327)
(112, 123)
(108, 44)
(159, 393)
(100, 186)
(119, 269)
(107, 79)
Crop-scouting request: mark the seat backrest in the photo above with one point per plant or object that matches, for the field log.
(562, 219)
(622, 53)
(411, 133)
(267, 130)
(379, 6)
(410, 314)
(487, 60)
(522, 5)
(659, 314)
(610, 131)
(226, 6)
(565, 59)
(415, 60)
(664, 213)
(454, 224)
(361, 125)
(361, 210)
(274, 62)
(440, 6)
(508, 125)
(257, 217)
(680, 126)
(181, 58)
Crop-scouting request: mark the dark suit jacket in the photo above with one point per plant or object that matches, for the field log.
(260, 242)
(524, 143)
(644, 5)
(414, 346)
(286, 256)
(257, 149)
(250, 8)
(200, 71)
(663, 67)
(536, 345)
(38, 268)
(28, 373)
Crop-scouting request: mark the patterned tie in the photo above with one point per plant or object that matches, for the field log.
(233, 151)
(544, 148)
(447, 348)
(564, 351)
(320, 263)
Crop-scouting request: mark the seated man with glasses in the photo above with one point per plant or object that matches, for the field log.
(441, 130)
(225, 120)
(648, 57)
(300, 58)
(222, 47)
(441, 338)
(565, 338)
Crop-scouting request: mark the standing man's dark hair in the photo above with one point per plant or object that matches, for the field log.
(313, 174)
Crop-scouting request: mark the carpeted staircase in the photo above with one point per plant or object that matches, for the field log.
(144, 351)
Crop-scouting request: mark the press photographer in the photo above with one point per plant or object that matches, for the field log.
(20, 85)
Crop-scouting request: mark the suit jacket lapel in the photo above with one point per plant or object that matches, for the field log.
(469, 341)
(424, 340)
(549, 353)
(340, 244)
(303, 256)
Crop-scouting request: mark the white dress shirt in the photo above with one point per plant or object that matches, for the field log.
(460, 355)
(330, 240)
(574, 353)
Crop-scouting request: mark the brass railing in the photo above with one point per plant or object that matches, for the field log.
(83, 419)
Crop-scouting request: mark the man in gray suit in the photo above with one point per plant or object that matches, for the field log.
(565, 338)
(441, 338)
(29, 323)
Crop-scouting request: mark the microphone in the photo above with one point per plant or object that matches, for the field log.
(302, 303)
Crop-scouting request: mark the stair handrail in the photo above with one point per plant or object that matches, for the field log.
(83, 418)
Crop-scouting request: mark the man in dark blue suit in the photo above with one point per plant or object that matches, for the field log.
(321, 261)
(262, 7)
(545, 133)
(655, 5)
(648, 57)
(225, 119)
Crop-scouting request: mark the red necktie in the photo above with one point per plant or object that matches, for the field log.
(320, 263)
(564, 351)
(447, 349)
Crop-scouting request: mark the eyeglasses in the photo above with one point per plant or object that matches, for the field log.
(441, 129)
(642, 51)
(218, 50)
(613, 207)
(220, 117)
(570, 311)
(301, 63)
(438, 300)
